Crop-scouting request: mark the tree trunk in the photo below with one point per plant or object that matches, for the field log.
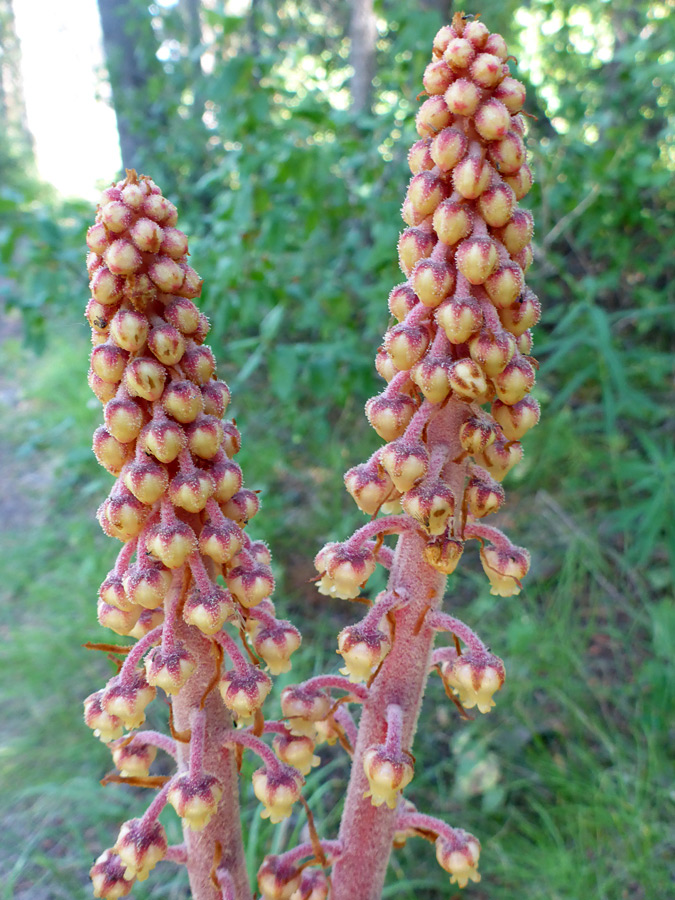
(363, 34)
(135, 74)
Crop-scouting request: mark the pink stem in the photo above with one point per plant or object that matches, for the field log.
(337, 681)
(397, 383)
(251, 742)
(343, 717)
(137, 652)
(197, 743)
(155, 739)
(367, 831)
(124, 556)
(488, 533)
(225, 883)
(394, 728)
(152, 812)
(380, 609)
(330, 848)
(176, 854)
(385, 525)
(443, 622)
(416, 820)
(171, 602)
(199, 573)
(229, 644)
(224, 828)
(385, 557)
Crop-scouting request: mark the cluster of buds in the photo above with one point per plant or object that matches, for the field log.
(459, 372)
(180, 509)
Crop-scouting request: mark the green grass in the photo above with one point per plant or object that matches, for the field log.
(567, 782)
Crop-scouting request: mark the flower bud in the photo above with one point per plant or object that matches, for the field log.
(483, 494)
(505, 568)
(459, 858)
(477, 433)
(406, 344)
(499, 458)
(432, 116)
(437, 77)
(467, 380)
(275, 644)
(191, 490)
(122, 258)
(511, 93)
(452, 222)
(148, 620)
(419, 158)
(183, 315)
(344, 569)
(496, 204)
(110, 452)
(442, 39)
(448, 147)
(103, 390)
(121, 621)
(198, 364)
(516, 420)
(166, 274)
(523, 315)
(231, 439)
(296, 750)
(134, 760)
(517, 233)
(277, 789)
(444, 555)
(406, 462)
(487, 71)
(425, 192)
(128, 698)
(505, 285)
(362, 649)
(129, 329)
(414, 245)
(459, 318)
(459, 53)
(384, 365)
(144, 377)
(520, 181)
(524, 257)
(431, 503)
(108, 362)
(227, 478)
(277, 879)
(146, 480)
(390, 416)
(369, 487)
(241, 507)
(508, 154)
(388, 773)
(431, 376)
(98, 317)
(209, 610)
(116, 216)
(216, 396)
(122, 515)
(172, 544)
(220, 540)
(174, 243)
(314, 885)
(169, 669)
(140, 846)
(104, 725)
(432, 281)
(492, 351)
(244, 692)
(492, 121)
(191, 288)
(477, 258)
(167, 344)
(108, 877)
(476, 32)
(164, 439)
(471, 177)
(250, 584)
(105, 287)
(183, 400)
(147, 584)
(402, 300)
(515, 381)
(97, 238)
(113, 593)
(474, 676)
(302, 704)
(462, 97)
(195, 798)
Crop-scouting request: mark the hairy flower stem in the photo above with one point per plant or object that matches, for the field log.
(367, 831)
(224, 828)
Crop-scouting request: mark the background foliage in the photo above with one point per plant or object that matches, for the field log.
(293, 204)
